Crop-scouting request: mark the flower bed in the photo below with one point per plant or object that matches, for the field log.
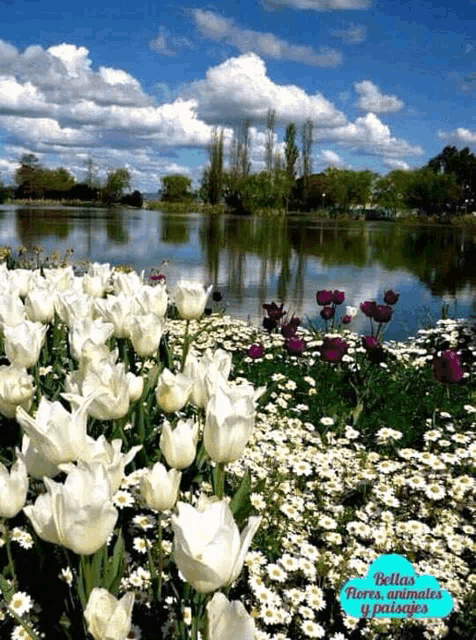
(164, 438)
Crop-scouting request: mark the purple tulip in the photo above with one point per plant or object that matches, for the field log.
(447, 368)
(383, 313)
(274, 312)
(338, 297)
(288, 330)
(391, 297)
(346, 319)
(256, 351)
(324, 297)
(295, 346)
(370, 342)
(269, 324)
(327, 313)
(368, 308)
(333, 349)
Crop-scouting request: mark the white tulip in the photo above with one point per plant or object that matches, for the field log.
(72, 306)
(179, 445)
(37, 464)
(208, 548)
(78, 514)
(190, 299)
(229, 423)
(116, 309)
(160, 487)
(21, 280)
(173, 391)
(109, 454)
(127, 283)
(86, 328)
(24, 341)
(40, 305)
(228, 620)
(13, 488)
(16, 389)
(153, 299)
(60, 278)
(107, 617)
(59, 435)
(111, 385)
(204, 373)
(12, 311)
(145, 333)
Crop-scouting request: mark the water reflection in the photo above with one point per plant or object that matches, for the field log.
(255, 260)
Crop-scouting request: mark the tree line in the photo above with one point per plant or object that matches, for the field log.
(446, 185)
(33, 182)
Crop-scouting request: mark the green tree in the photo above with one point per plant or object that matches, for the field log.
(291, 152)
(431, 193)
(176, 188)
(270, 124)
(28, 177)
(116, 183)
(213, 175)
(390, 190)
(306, 156)
(462, 165)
(3, 193)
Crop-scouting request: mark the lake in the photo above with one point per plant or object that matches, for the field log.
(253, 260)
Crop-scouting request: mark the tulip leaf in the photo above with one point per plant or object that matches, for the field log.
(164, 353)
(240, 503)
(115, 565)
(6, 589)
(356, 411)
(150, 381)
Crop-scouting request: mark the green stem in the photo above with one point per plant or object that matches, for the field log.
(9, 554)
(220, 480)
(24, 624)
(86, 575)
(161, 556)
(185, 345)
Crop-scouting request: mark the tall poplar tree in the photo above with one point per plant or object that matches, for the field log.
(271, 124)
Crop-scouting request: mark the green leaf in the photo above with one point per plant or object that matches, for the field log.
(115, 566)
(5, 589)
(356, 411)
(240, 502)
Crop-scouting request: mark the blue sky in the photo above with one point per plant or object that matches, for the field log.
(141, 85)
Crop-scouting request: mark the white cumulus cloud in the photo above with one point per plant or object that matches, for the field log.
(240, 88)
(372, 99)
(459, 135)
(320, 5)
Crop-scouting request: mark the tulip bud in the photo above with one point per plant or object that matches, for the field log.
(190, 299)
(447, 367)
(208, 548)
(173, 391)
(107, 617)
(23, 343)
(179, 445)
(40, 305)
(229, 423)
(256, 351)
(160, 487)
(327, 313)
(324, 297)
(16, 389)
(145, 333)
(228, 620)
(13, 488)
(391, 297)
